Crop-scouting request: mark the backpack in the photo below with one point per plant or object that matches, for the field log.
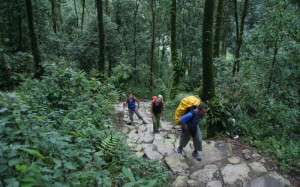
(186, 105)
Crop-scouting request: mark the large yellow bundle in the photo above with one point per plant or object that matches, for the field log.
(184, 104)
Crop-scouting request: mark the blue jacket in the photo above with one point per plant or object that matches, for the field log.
(191, 119)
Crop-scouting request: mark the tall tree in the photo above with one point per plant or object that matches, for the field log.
(135, 31)
(101, 63)
(152, 45)
(53, 14)
(82, 13)
(20, 43)
(39, 70)
(76, 14)
(177, 71)
(207, 51)
(239, 35)
(107, 7)
(218, 29)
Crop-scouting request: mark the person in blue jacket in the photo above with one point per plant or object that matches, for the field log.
(190, 128)
(133, 108)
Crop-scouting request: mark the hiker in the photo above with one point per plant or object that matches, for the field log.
(157, 111)
(132, 108)
(190, 127)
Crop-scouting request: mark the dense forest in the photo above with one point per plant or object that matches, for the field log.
(65, 63)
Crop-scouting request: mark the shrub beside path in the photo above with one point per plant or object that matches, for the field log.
(223, 163)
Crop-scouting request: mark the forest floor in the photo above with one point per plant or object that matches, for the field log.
(225, 161)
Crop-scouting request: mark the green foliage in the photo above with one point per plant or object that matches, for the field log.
(141, 182)
(121, 76)
(53, 132)
(14, 68)
(217, 119)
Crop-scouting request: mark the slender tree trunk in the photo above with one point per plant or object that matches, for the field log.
(107, 7)
(82, 13)
(152, 46)
(11, 23)
(101, 64)
(239, 38)
(20, 44)
(39, 70)
(60, 20)
(176, 66)
(276, 48)
(218, 29)
(207, 51)
(135, 31)
(76, 14)
(53, 7)
(183, 60)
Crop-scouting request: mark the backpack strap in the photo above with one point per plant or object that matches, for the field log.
(193, 115)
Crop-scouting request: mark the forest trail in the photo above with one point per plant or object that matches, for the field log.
(224, 163)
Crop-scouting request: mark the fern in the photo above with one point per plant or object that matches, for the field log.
(109, 144)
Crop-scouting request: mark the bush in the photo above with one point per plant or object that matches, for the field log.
(58, 131)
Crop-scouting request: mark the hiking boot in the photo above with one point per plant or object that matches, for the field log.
(179, 150)
(196, 155)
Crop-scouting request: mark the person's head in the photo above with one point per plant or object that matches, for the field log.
(202, 109)
(130, 95)
(160, 97)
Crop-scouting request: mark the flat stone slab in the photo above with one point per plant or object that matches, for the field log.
(265, 181)
(177, 163)
(145, 138)
(180, 181)
(257, 167)
(233, 173)
(214, 184)
(234, 160)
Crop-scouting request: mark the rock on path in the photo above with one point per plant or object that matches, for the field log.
(219, 167)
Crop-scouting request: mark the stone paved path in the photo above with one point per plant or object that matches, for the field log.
(219, 166)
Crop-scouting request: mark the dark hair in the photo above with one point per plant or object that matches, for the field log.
(202, 105)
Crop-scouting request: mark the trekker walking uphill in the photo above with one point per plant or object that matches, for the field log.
(157, 111)
(190, 127)
(132, 108)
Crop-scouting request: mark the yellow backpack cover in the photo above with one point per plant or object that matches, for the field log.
(184, 104)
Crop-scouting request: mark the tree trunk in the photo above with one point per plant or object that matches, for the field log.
(82, 14)
(152, 45)
(101, 63)
(183, 58)
(135, 31)
(207, 51)
(107, 7)
(176, 66)
(276, 48)
(239, 38)
(76, 14)
(53, 15)
(218, 29)
(39, 70)
(20, 44)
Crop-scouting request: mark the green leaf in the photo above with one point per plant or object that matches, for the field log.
(39, 118)
(12, 182)
(33, 152)
(3, 168)
(70, 166)
(28, 181)
(14, 161)
(151, 183)
(3, 110)
(21, 168)
(130, 184)
(128, 173)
